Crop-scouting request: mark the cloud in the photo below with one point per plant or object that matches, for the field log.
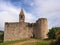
(10, 13)
(49, 9)
(33, 9)
(7, 13)
(29, 17)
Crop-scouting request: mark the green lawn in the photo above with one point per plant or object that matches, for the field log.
(38, 43)
(12, 42)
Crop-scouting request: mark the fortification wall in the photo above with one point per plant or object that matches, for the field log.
(20, 30)
(11, 31)
(17, 31)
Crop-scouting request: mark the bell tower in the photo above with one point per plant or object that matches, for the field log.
(21, 16)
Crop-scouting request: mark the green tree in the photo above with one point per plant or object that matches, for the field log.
(52, 32)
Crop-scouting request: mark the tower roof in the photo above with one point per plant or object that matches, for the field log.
(21, 12)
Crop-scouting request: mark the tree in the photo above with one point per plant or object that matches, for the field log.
(57, 41)
(52, 32)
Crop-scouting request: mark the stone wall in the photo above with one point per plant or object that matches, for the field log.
(17, 31)
(10, 32)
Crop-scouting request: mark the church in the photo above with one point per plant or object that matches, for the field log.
(21, 30)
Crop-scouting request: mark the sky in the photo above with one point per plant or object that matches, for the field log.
(33, 9)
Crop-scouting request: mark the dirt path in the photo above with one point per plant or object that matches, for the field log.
(28, 41)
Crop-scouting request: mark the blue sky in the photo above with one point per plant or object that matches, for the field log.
(33, 9)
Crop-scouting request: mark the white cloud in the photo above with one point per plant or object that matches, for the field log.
(29, 17)
(41, 8)
(32, 4)
(9, 13)
(48, 9)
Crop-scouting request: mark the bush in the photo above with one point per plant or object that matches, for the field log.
(52, 32)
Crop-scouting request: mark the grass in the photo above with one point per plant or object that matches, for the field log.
(40, 42)
(13, 42)
(36, 43)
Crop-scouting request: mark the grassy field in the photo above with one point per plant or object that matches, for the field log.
(13, 42)
(27, 42)
(37, 43)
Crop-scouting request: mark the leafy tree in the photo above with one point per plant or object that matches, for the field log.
(52, 32)
(57, 41)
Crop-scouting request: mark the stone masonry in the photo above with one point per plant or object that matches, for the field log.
(20, 30)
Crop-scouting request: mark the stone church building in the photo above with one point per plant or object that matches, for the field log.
(20, 30)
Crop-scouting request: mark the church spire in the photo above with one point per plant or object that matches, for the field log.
(21, 13)
(21, 16)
